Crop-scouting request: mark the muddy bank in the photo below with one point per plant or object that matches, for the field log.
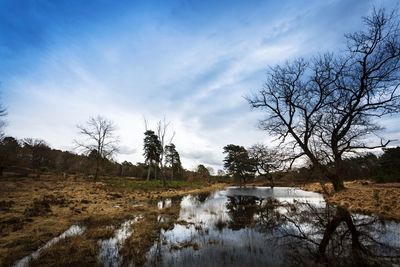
(365, 197)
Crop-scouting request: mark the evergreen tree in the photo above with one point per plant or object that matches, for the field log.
(152, 151)
(172, 159)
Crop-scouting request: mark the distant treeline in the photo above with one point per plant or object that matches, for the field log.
(34, 157)
(383, 168)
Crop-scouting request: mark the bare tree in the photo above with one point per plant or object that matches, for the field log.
(164, 137)
(39, 153)
(266, 160)
(327, 107)
(100, 140)
(162, 133)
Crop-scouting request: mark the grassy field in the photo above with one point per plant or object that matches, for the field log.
(32, 211)
(365, 197)
(134, 184)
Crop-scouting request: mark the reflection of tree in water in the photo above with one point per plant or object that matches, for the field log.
(269, 218)
(313, 235)
(241, 210)
(202, 197)
(246, 211)
(331, 236)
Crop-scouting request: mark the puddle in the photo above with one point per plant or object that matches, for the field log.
(256, 226)
(165, 203)
(72, 231)
(109, 248)
(261, 226)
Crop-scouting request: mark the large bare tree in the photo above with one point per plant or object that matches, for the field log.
(99, 139)
(328, 107)
(266, 160)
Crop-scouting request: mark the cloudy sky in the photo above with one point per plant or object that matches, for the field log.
(190, 61)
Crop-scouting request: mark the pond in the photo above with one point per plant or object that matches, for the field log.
(253, 226)
(283, 226)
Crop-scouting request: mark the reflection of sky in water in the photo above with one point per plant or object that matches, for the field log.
(109, 248)
(207, 239)
(214, 209)
(72, 231)
(162, 204)
(226, 228)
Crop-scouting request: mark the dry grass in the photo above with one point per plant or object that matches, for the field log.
(32, 211)
(72, 251)
(146, 232)
(366, 197)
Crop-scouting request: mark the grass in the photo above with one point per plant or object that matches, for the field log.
(146, 232)
(129, 184)
(32, 211)
(366, 197)
(71, 251)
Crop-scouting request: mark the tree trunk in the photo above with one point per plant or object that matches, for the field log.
(163, 175)
(337, 182)
(270, 179)
(164, 182)
(337, 177)
(120, 170)
(148, 172)
(330, 229)
(358, 251)
(96, 175)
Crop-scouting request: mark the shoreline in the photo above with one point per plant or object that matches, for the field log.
(363, 196)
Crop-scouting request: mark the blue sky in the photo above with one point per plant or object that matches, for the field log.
(190, 61)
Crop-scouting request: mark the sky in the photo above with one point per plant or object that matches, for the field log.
(192, 62)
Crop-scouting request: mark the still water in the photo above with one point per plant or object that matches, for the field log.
(283, 226)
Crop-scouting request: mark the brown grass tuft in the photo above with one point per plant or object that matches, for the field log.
(72, 251)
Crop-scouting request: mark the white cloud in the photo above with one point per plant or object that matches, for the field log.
(196, 80)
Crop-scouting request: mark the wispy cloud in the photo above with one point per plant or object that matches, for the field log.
(191, 61)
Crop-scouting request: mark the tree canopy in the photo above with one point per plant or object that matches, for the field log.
(325, 108)
(172, 159)
(100, 140)
(152, 150)
(237, 162)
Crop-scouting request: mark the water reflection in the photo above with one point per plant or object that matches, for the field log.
(72, 231)
(109, 253)
(333, 236)
(242, 211)
(272, 227)
(163, 204)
